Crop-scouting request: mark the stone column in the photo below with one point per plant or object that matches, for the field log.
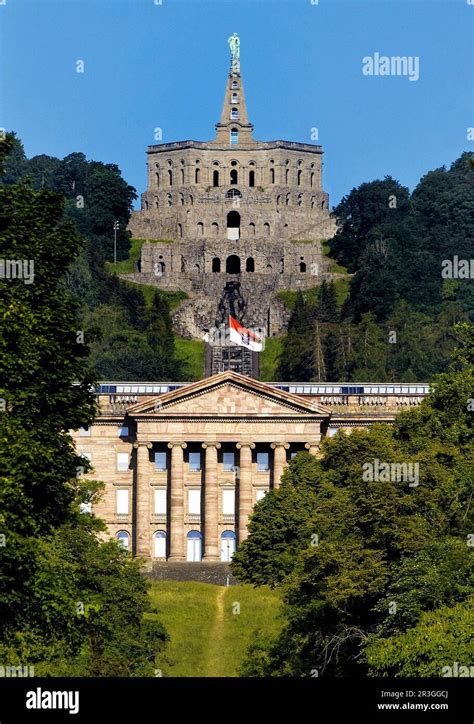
(176, 519)
(143, 500)
(245, 486)
(211, 502)
(279, 461)
(313, 447)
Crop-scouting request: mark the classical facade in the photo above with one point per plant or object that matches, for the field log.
(185, 463)
(233, 209)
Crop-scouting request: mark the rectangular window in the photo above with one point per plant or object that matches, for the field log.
(160, 501)
(228, 459)
(195, 461)
(123, 431)
(194, 502)
(262, 461)
(228, 501)
(122, 462)
(122, 502)
(261, 494)
(84, 432)
(160, 461)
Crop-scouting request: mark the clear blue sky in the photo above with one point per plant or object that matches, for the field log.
(150, 65)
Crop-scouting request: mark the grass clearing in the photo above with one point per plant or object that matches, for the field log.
(191, 352)
(269, 358)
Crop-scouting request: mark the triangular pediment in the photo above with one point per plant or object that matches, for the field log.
(228, 394)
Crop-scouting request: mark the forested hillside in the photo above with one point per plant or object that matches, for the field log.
(397, 322)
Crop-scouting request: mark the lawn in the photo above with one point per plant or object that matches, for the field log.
(211, 627)
(191, 352)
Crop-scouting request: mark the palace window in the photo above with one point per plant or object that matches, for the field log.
(122, 502)
(228, 501)
(160, 501)
(234, 136)
(122, 461)
(252, 178)
(195, 461)
(262, 461)
(234, 176)
(228, 460)
(124, 539)
(161, 461)
(194, 502)
(215, 178)
(234, 114)
(159, 539)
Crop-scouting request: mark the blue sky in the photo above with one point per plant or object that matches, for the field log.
(149, 65)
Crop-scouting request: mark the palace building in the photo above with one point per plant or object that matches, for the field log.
(185, 463)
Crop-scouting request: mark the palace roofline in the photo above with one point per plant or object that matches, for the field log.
(256, 145)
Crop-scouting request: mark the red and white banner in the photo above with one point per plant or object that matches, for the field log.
(244, 337)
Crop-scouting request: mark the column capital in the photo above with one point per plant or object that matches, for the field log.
(178, 444)
(240, 445)
(217, 445)
(285, 445)
(309, 445)
(142, 443)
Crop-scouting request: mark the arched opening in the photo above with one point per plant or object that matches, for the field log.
(216, 264)
(250, 264)
(232, 265)
(313, 202)
(234, 114)
(157, 178)
(124, 539)
(233, 194)
(269, 268)
(287, 200)
(287, 176)
(272, 175)
(215, 228)
(302, 266)
(200, 229)
(191, 200)
(227, 545)
(194, 546)
(159, 268)
(252, 178)
(234, 136)
(169, 200)
(180, 231)
(235, 85)
(233, 225)
(170, 177)
(234, 177)
(252, 229)
(159, 544)
(311, 180)
(300, 199)
(323, 204)
(215, 178)
(181, 199)
(282, 265)
(146, 204)
(298, 178)
(197, 174)
(182, 176)
(197, 268)
(266, 229)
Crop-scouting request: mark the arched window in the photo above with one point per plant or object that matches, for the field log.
(287, 175)
(194, 546)
(197, 268)
(233, 225)
(170, 177)
(216, 264)
(250, 265)
(233, 194)
(180, 231)
(287, 199)
(234, 136)
(235, 85)
(272, 175)
(313, 202)
(181, 199)
(215, 178)
(146, 204)
(191, 199)
(157, 178)
(278, 199)
(169, 199)
(182, 175)
(157, 202)
(159, 541)
(251, 178)
(197, 174)
(302, 266)
(266, 229)
(269, 267)
(323, 204)
(227, 545)
(234, 176)
(300, 199)
(124, 539)
(200, 229)
(215, 228)
(235, 98)
(232, 264)
(298, 177)
(234, 114)
(252, 229)
(159, 268)
(311, 180)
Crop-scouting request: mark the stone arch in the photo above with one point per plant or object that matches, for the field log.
(252, 178)
(266, 229)
(200, 228)
(298, 177)
(302, 266)
(216, 264)
(170, 177)
(215, 228)
(300, 199)
(278, 199)
(181, 199)
(252, 229)
(250, 264)
(232, 264)
(323, 204)
(287, 199)
(215, 178)
(234, 177)
(180, 231)
(169, 199)
(313, 201)
(191, 199)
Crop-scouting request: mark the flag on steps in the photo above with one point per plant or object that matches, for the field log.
(244, 337)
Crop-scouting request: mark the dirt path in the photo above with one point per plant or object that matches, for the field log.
(214, 650)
